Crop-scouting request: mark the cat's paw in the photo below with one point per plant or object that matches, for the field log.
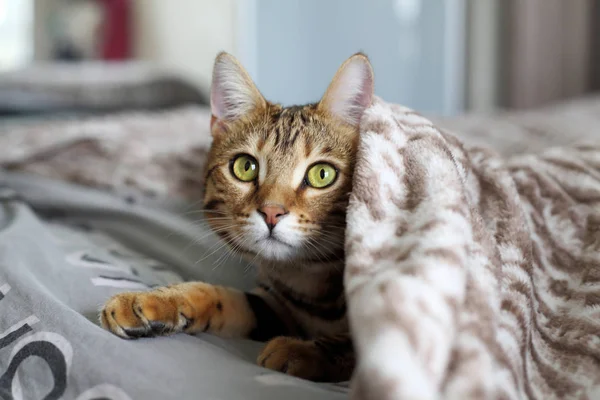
(294, 357)
(139, 314)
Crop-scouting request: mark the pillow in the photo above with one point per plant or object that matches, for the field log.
(93, 86)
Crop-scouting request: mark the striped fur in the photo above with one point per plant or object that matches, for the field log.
(299, 304)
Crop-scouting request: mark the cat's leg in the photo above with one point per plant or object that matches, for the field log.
(326, 359)
(191, 307)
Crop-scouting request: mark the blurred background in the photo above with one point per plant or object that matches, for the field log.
(442, 57)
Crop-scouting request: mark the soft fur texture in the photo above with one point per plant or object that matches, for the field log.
(280, 218)
(470, 276)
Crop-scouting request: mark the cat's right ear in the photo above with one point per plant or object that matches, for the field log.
(233, 95)
(350, 92)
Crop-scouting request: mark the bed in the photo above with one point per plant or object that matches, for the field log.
(93, 206)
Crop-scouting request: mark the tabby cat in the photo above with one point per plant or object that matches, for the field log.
(277, 187)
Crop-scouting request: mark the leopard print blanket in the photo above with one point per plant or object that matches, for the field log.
(470, 275)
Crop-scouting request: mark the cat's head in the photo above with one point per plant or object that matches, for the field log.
(278, 179)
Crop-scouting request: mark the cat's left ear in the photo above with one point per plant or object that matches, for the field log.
(233, 94)
(351, 90)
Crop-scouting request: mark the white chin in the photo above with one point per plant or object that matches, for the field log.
(272, 249)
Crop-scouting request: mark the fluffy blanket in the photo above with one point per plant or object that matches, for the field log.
(471, 276)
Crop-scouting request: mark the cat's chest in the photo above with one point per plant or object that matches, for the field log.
(315, 301)
(314, 327)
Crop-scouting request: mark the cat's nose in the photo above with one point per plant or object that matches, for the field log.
(272, 214)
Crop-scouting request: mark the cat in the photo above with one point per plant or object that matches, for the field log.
(277, 186)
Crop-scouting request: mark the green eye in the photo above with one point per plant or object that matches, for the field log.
(245, 168)
(321, 175)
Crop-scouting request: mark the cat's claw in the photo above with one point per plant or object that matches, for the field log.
(136, 315)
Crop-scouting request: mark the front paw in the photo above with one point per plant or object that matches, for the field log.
(294, 357)
(141, 314)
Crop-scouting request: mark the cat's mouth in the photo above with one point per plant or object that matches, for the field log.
(273, 239)
(273, 248)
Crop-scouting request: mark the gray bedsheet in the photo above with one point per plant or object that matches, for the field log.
(63, 251)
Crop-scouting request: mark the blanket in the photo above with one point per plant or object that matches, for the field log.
(470, 275)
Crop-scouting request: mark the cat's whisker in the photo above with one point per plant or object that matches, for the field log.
(338, 226)
(205, 223)
(327, 230)
(329, 258)
(227, 249)
(236, 249)
(251, 263)
(245, 242)
(200, 223)
(312, 253)
(336, 244)
(219, 223)
(197, 240)
(314, 246)
(213, 218)
(330, 237)
(193, 212)
(330, 234)
(218, 248)
(207, 220)
(240, 246)
(231, 250)
(198, 210)
(217, 243)
(194, 204)
(197, 223)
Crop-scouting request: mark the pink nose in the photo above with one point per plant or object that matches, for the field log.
(272, 214)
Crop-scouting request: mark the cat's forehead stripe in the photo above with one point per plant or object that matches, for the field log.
(289, 126)
(308, 147)
(261, 142)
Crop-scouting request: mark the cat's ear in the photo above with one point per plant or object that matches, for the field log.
(351, 90)
(233, 95)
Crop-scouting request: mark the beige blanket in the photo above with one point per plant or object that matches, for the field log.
(471, 276)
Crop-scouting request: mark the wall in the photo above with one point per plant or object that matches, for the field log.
(595, 67)
(15, 33)
(548, 53)
(416, 47)
(483, 55)
(184, 35)
(293, 47)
